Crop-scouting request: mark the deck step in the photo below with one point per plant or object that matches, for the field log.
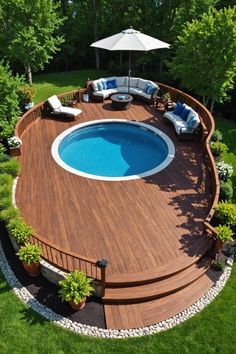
(151, 312)
(157, 289)
(202, 245)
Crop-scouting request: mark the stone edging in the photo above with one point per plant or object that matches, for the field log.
(94, 331)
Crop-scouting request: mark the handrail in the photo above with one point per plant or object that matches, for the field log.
(67, 260)
(208, 124)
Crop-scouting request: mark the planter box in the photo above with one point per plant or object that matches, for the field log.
(15, 151)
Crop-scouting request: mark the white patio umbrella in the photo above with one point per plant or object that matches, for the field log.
(130, 40)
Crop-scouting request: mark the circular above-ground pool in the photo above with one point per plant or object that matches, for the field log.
(113, 150)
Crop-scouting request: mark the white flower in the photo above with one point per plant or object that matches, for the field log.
(14, 141)
(225, 170)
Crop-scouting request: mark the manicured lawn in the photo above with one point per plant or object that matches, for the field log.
(211, 331)
(47, 85)
(228, 129)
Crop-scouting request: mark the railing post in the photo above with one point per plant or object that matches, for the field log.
(102, 265)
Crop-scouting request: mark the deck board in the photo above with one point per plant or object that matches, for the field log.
(137, 225)
(151, 312)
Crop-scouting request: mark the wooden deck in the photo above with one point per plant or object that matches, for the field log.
(147, 229)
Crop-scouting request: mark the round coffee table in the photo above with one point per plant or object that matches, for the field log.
(121, 101)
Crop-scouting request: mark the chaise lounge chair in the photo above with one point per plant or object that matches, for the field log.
(58, 109)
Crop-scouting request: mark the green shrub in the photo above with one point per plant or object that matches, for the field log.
(12, 167)
(219, 265)
(5, 191)
(9, 100)
(4, 157)
(2, 149)
(6, 179)
(30, 253)
(226, 213)
(217, 136)
(76, 287)
(5, 202)
(224, 233)
(218, 148)
(9, 213)
(19, 230)
(226, 190)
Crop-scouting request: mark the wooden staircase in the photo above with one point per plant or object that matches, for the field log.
(136, 301)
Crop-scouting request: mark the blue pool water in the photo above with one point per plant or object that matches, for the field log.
(113, 150)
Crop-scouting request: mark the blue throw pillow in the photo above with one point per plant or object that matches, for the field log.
(100, 86)
(104, 84)
(184, 114)
(147, 88)
(178, 108)
(150, 90)
(191, 122)
(111, 84)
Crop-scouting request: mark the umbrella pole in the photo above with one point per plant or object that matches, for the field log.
(129, 72)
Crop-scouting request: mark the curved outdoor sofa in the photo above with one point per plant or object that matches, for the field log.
(105, 87)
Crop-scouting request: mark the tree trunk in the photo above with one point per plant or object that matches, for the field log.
(212, 105)
(28, 72)
(97, 58)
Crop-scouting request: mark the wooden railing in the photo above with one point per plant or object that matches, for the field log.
(96, 269)
(69, 261)
(208, 125)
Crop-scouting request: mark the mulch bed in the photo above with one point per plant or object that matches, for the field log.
(47, 293)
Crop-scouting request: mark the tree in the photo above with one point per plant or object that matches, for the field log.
(205, 58)
(9, 100)
(28, 32)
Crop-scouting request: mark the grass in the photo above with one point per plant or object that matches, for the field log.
(47, 85)
(228, 129)
(211, 331)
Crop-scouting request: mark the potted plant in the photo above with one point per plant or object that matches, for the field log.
(19, 231)
(26, 96)
(30, 256)
(166, 97)
(224, 235)
(14, 144)
(75, 288)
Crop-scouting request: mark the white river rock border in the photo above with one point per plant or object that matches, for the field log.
(94, 331)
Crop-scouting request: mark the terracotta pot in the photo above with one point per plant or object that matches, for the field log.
(218, 245)
(32, 269)
(78, 307)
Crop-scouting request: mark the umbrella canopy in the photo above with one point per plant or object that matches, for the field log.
(130, 39)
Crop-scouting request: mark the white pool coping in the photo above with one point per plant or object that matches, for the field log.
(164, 164)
